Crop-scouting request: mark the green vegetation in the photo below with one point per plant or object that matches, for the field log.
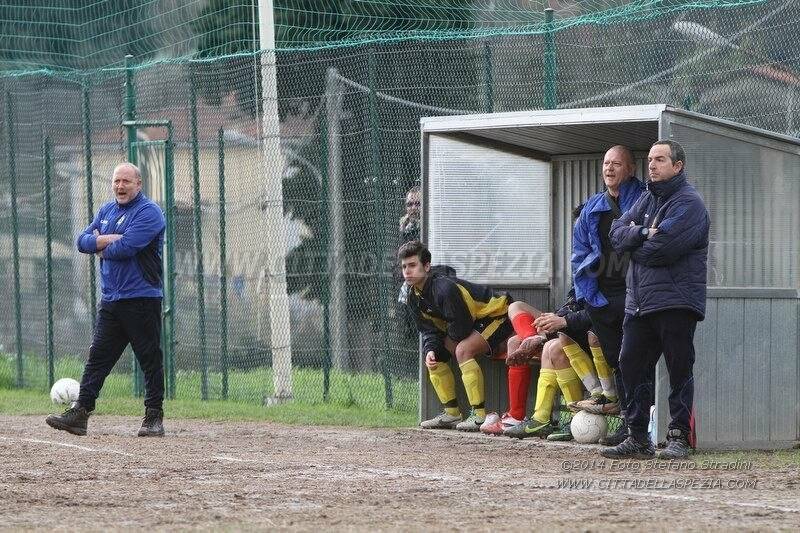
(354, 399)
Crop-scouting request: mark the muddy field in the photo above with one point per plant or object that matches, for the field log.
(213, 475)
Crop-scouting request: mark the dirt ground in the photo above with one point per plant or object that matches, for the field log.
(231, 476)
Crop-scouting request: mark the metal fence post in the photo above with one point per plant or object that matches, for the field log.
(380, 227)
(87, 159)
(12, 177)
(223, 270)
(48, 229)
(198, 238)
(133, 157)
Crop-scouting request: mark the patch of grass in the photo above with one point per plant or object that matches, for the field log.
(353, 399)
(28, 402)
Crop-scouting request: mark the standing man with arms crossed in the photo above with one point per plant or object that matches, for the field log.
(128, 235)
(666, 233)
(599, 277)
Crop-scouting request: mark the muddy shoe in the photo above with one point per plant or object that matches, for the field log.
(152, 424)
(472, 423)
(441, 421)
(631, 448)
(531, 428)
(529, 351)
(562, 434)
(598, 405)
(677, 446)
(73, 420)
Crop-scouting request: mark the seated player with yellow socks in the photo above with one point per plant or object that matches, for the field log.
(565, 363)
(455, 317)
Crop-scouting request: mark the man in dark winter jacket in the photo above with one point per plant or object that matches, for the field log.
(666, 233)
(128, 235)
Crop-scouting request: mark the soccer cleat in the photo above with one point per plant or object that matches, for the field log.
(496, 424)
(630, 448)
(617, 437)
(530, 428)
(529, 351)
(677, 446)
(597, 405)
(152, 423)
(563, 433)
(472, 423)
(73, 420)
(441, 421)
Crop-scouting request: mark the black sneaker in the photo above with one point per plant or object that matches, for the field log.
(630, 449)
(153, 423)
(73, 420)
(677, 446)
(616, 438)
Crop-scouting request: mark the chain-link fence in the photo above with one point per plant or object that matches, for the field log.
(286, 217)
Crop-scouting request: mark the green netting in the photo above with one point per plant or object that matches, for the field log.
(73, 34)
(343, 144)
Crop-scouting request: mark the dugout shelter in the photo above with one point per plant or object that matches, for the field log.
(498, 192)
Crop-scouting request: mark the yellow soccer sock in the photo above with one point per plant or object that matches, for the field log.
(604, 372)
(569, 384)
(444, 383)
(546, 389)
(580, 362)
(472, 377)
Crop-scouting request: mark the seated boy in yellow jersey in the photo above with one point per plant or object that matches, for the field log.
(455, 317)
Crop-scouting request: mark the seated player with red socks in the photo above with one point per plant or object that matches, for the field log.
(455, 317)
(565, 364)
(522, 317)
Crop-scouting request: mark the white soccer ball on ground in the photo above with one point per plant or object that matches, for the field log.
(588, 428)
(65, 390)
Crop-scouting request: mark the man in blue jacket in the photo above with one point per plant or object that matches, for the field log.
(599, 275)
(666, 233)
(128, 235)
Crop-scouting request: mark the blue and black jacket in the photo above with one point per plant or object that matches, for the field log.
(586, 248)
(131, 266)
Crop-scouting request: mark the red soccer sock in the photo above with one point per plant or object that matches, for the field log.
(523, 325)
(519, 380)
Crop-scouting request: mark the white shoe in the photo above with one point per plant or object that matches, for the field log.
(496, 424)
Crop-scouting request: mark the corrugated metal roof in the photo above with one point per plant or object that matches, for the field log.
(575, 138)
(579, 131)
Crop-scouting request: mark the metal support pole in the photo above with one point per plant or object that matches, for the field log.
(48, 230)
(87, 160)
(337, 316)
(223, 270)
(133, 157)
(380, 225)
(550, 66)
(325, 278)
(198, 238)
(169, 271)
(12, 176)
